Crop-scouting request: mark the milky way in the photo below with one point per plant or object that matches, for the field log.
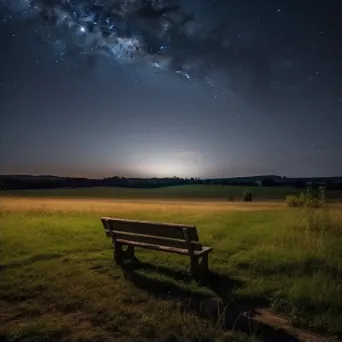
(127, 31)
(169, 36)
(172, 36)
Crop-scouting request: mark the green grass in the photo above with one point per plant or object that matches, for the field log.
(218, 192)
(183, 192)
(58, 279)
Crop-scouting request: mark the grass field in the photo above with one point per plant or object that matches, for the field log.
(58, 279)
(182, 192)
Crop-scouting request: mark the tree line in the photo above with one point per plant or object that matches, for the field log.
(50, 182)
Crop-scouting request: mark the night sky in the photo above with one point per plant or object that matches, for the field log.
(197, 88)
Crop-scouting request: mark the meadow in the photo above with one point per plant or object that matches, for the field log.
(181, 192)
(58, 279)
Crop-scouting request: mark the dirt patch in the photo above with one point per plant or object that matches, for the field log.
(266, 317)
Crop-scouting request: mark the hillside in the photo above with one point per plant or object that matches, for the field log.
(181, 192)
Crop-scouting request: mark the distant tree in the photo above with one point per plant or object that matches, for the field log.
(267, 182)
(300, 184)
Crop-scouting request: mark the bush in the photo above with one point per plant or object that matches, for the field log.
(308, 199)
(247, 196)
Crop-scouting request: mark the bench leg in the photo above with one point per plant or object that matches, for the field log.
(118, 253)
(204, 263)
(129, 252)
(199, 266)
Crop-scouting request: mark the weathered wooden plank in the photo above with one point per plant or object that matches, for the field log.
(152, 240)
(167, 230)
(164, 248)
(154, 247)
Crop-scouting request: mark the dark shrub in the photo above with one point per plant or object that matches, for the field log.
(247, 196)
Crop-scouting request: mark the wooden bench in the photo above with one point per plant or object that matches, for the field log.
(165, 237)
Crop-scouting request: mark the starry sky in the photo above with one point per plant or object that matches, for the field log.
(192, 88)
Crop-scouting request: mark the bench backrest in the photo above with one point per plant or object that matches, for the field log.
(155, 233)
